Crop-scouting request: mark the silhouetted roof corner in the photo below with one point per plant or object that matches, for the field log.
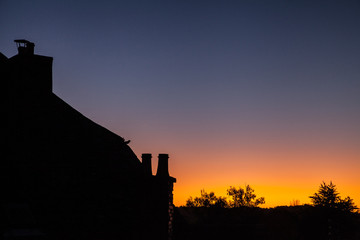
(172, 179)
(3, 58)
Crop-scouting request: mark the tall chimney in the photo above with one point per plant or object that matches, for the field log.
(146, 163)
(163, 165)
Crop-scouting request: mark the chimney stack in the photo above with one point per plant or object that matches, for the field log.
(146, 163)
(163, 165)
(33, 74)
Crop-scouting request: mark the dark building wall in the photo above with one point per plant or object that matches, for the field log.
(78, 179)
(69, 170)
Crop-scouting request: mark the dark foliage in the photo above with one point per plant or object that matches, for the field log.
(328, 197)
(244, 197)
(206, 200)
(239, 197)
(295, 223)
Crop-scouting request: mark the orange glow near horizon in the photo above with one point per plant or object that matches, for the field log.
(274, 195)
(279, 176)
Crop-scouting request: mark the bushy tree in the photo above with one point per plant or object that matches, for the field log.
(328, 196)
(207, 200)
(244, 197)
(239, 197)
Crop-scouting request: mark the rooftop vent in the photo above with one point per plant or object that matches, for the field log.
(25, 47)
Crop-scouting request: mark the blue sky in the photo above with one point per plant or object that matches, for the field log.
(205, 79)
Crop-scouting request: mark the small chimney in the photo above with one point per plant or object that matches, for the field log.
(25, 47)
(146, 163)
(163, 165)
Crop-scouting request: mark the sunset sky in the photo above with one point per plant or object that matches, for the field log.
(265, 93)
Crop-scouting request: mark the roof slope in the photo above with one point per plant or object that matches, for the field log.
(66, 168)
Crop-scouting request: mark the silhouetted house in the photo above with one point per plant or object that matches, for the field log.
(64, 176)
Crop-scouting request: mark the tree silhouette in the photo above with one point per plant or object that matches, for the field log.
(328, 197)
(239, 198)
(207, 200)
(243, 197)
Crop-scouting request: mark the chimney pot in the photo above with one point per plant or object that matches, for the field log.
(25, 47)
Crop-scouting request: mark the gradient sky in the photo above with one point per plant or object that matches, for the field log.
(265, 93)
